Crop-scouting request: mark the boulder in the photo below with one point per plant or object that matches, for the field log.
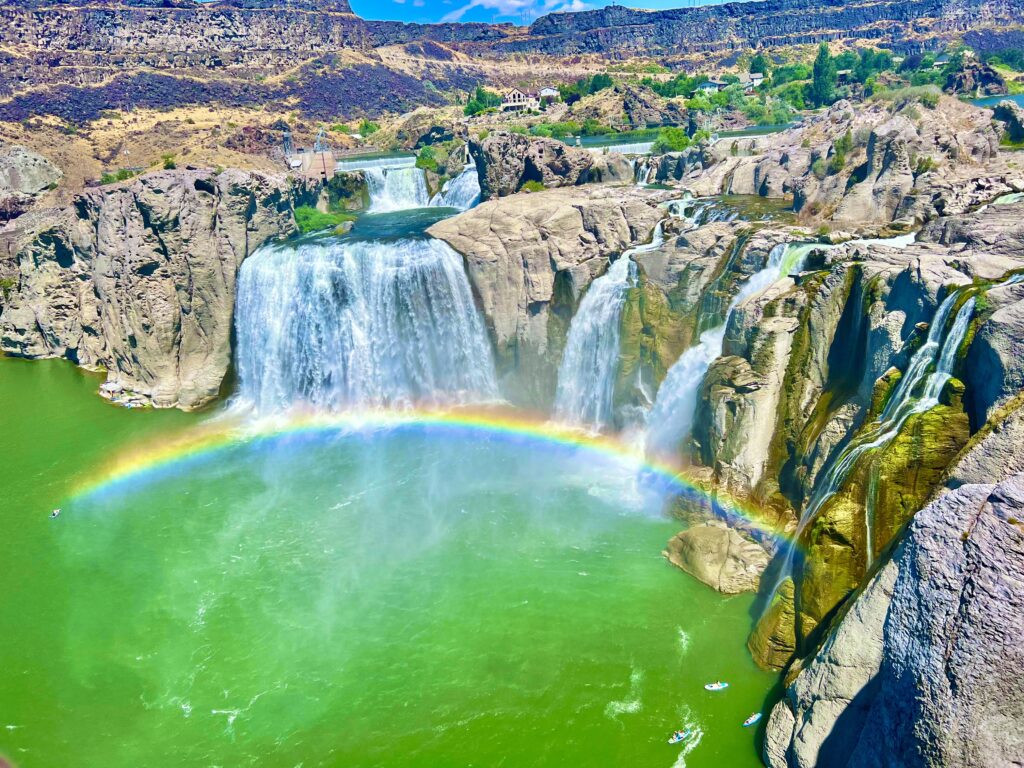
(719, 556)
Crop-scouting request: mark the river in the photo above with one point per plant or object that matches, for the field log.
(416, 591)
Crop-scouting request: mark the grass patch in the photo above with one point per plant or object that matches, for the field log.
(120, 175)
(309, 219)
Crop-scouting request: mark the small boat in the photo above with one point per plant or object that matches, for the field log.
(55, 514)
(752, 719)
(719, 686)
(680, 736)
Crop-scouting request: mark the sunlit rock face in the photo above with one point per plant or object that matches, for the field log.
(915, 674)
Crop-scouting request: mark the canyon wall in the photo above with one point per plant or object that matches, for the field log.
(138, 280)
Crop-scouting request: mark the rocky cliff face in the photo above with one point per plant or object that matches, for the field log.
(880, 163)
(529, 257)
(139, 280)
(917, 672)
(904, 26)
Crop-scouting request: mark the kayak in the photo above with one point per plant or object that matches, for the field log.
(716, 686)
(752, 719)
(680, 736)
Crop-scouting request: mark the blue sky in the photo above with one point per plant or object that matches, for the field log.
(518, 11)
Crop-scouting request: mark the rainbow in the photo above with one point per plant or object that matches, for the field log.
(206, 441)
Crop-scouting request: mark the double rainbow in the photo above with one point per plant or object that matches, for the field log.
(210, 440)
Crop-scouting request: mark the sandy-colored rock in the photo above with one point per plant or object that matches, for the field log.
(719, 556)
(529, 257)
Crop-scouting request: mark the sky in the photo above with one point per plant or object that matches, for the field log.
(516, 11)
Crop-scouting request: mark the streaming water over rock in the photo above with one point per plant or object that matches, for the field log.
(927, 374)
(396, 189)
(590, 364)
(462, 192)
(337, 324)
(672, 415)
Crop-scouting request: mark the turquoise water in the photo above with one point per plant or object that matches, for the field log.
(398, 598)
(991, 101)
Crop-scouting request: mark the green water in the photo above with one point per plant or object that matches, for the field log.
(406, 598)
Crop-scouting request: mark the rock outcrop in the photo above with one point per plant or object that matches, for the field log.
(878, 163)
(24, 176)
(139, 280)
(1012, 114)
(507, 161)
(529, 257)
(918, 670)
(976, 79)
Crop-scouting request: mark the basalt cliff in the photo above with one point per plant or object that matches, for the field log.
(76, 59)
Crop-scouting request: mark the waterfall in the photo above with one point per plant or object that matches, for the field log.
(462, 192)
(375, 163)
(340, 324)
(674, 408)
(590, 363)
(939, 350)
(637, 148)
(396, 189)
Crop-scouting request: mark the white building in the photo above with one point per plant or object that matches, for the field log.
(519, 101)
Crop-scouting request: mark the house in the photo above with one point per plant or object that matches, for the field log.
(941, 61)
(712, 86)
(519, 101)
(548, 94)
(751, 80)
(844, 76)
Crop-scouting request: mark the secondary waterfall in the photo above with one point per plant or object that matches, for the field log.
(927, 374)
(341, 324)
(462, 192)
(590, 364)
(396, 189)
(671, 417)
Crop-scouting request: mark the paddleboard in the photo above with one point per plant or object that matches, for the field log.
(716, 686)
(752, 719)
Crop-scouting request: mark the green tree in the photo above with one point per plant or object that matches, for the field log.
(760, 64)
(824, 78)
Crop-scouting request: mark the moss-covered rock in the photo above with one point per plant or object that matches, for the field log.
(773, 640)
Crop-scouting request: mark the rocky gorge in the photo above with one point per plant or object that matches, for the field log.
(857, 392)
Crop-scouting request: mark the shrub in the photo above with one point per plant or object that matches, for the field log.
(119, 175)
(533, 186)
(427, 159)
(924, 165)
(309, 219)
(820, 168)
(168, 161)
(671, 140)
(368, 128)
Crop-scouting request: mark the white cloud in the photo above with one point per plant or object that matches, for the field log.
(524, 9)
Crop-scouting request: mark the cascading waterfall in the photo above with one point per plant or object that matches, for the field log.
(590, 364)
(674, 408)
(336, 325)
(396, 189)
(462, 192)
(939, 350)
